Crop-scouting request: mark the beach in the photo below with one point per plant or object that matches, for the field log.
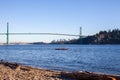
(15, 71)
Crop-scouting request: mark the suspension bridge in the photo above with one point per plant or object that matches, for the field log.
(7, 34)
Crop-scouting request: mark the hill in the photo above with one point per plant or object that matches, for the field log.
(103, 37)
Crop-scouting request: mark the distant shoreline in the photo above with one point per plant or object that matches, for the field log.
(53, 44)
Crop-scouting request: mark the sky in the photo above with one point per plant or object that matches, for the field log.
(57, 16)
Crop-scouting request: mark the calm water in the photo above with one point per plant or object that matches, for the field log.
(95, 58)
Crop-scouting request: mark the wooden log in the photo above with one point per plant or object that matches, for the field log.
(89, 76)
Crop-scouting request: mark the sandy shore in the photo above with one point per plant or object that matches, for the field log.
(14, 71)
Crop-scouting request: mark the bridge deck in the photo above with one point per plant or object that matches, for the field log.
(39, 34)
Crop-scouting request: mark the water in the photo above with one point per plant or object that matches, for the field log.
(95, 58)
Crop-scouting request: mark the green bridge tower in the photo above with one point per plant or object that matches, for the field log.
(80, 35)
(7, 34)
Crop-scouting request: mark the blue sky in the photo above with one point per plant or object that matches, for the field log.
(57, 16)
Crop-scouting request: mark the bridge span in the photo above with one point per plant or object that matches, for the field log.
(39, 34)
(7, 34)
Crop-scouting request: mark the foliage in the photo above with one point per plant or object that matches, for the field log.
(103, 37)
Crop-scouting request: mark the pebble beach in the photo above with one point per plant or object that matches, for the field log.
(15, 71)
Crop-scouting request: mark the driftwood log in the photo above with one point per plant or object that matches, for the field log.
(89, 76)
(9, 64)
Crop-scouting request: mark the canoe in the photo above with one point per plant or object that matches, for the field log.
(61, 48)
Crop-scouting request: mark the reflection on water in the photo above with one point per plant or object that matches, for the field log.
(96, 58)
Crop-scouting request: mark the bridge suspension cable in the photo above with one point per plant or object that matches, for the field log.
(39, 34)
